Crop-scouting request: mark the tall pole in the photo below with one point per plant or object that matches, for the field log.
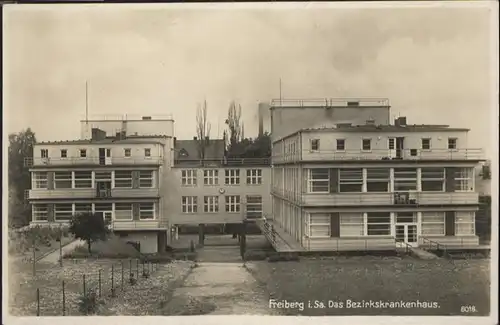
(280, 94)
(86, 103)
(60, 248)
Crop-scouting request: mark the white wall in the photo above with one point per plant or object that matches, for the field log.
(148, 240)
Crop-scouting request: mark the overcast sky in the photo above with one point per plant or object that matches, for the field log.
(433, 64)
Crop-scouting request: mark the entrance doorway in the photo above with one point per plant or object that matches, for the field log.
(406, 229)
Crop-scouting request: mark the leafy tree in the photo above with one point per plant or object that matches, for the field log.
(20, 148)
(89, 227)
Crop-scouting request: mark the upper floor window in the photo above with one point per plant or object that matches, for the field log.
(123, 211)
(83, 153)
(40, 212)
(405, 179)
(351, 180)
(391, 143)
(254, 206)
(146, 178)
(62, 180)
(127, 152)
(147, 152)
(40, 180)
(432, 179)
(232, 176)
(315, 144)
(146, 210)
(318, 180)
(426, 144)
(254, 176)
(63, 211)
(83, 179)
(64, 153)
(452, 143)
(211, 177)
(123, 178)
(367, 144)
(211, 203)
(44, 153)
(464, 180)
(188, 177)
(340, 144)
(377, 179)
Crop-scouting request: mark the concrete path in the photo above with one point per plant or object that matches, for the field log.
(221, 289)
(68, 248)
(423, 254)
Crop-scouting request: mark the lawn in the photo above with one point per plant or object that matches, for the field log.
(450, 284)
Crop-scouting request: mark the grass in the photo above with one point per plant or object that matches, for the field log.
(450, 284)
(112, 248)
(21, 242)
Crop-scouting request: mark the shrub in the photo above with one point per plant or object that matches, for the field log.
(88, 304)
(255, 255)
(132, 281)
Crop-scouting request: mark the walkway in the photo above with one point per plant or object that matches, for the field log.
(55, 255)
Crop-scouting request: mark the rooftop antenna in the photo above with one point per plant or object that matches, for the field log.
(86, 103)
(280, 94)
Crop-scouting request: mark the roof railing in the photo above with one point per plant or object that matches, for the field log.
(223, 162)
(329, 102)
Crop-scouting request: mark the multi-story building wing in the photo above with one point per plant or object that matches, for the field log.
(349, 186)
(120, 176)
(216, 189)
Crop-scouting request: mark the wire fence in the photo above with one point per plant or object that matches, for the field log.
(76, 288)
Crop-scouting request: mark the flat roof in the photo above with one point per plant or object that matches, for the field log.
(110, 140)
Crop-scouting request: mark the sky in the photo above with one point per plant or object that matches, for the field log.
(434, 63)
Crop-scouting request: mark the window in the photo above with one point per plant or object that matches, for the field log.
(40, 179)
(123, 179)
(464, 223)
(254, 206)
(391, 143)
(452, 143)
(127, 152)
(146, 211)
(233, 203)
(367, 144)
(378, 223)
(426, 144)
(351, 224)
(105, 207)
(103, 176)
(63, 211)
(232, 177)
(44, 153)
(83, 208)
(62, 180)
(406, 217)
(254, 176)
(211, 177)
(433, 223)
(405, 179)
(83, 153)
(340, 144)
(377, 179)
(40, 212)
(351, 180)
(189, 204)
(146, 178)
(211, 204)
(64, 153)
(318, 180)
(83, 179)
(314, 144)
(432, 179)
(147, 152)
(464, 180)
(188, 177)
(318, 225)
(123, 211)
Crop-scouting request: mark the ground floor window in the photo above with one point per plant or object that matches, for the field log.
(146, 210)
(464, 223)
(433, 223)
(254, 206)
(81, 208)
(378, 223)
(351, 224)
(40, 212)
(63, 211)
(318, 225)
(123, 211)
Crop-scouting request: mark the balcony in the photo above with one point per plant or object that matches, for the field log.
(228, 162)
(396, 199)
(387, 155)
(92, 193)
(91, 161)
(135, 225)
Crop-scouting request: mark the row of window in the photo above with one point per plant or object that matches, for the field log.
(379, 223)
(211, 177)
(127, 152)
(116, 211)
(366, 144)
(232, 204)
(88, 179)
(432, 179)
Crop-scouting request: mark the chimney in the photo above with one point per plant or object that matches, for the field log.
(400, 121)
(146, 118)
(98, 134)
(175, 142)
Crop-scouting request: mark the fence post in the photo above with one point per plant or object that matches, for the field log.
(100, 283)
(112, 280)
(37, 301)
(122, 277)
(64, 299)
(130, 268)
(84, 289)
(137, 269)
(34, 258)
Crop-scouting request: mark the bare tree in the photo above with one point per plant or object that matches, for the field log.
(202, 129)
(234, 123)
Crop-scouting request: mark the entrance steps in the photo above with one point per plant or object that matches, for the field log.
(423, 254)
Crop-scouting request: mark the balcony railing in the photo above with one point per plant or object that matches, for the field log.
(384, 154)
(92, 193)
(389, 198)
(330, 102)
(91, 161)
(224, 162)
(135, 224)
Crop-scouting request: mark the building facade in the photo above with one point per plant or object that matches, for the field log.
(120, 176)
(364, 185)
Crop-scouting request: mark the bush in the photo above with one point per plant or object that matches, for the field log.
(88, 304)
(283, 257)
(256, 255)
